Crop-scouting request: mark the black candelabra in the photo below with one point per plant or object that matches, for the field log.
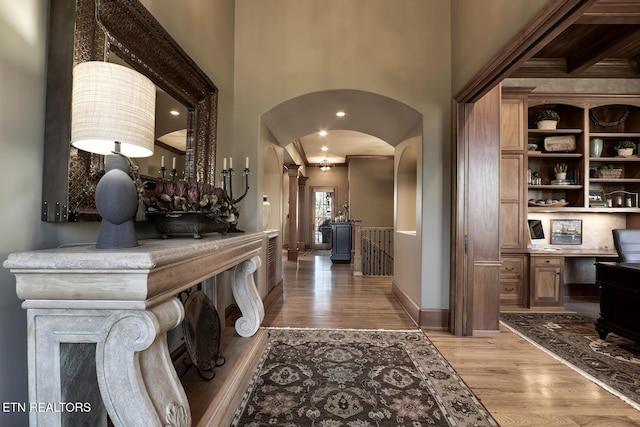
(173, 173)
(227, 174)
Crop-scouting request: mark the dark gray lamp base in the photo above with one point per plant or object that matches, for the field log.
(117, 202)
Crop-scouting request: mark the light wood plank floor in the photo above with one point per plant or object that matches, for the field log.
(519, 384)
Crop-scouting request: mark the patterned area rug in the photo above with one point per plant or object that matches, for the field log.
(356, 378)
(614, 363)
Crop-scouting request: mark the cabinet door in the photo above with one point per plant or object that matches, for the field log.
(512, 119)
(546, 282)
(341, 248)
(512, 231)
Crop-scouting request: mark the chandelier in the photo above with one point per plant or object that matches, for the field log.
(325, 165)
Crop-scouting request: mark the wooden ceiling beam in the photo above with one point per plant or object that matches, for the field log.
(601, 49)
(557, 68)
(614, 12)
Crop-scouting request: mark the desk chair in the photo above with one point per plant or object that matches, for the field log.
(627, 243)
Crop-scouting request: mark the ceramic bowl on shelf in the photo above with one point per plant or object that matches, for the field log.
(533, 147)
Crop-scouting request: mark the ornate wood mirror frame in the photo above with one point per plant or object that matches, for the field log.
(86, 30)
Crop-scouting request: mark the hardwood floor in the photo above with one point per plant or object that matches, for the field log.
(318, 294)
(519, 384)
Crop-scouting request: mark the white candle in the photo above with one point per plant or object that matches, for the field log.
(162, 161)
(174, 163)
(224, 164)
(230, 163)
(246, 163)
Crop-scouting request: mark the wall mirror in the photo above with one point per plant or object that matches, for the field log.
(117, 30)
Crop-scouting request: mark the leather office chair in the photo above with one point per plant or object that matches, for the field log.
(627, 243)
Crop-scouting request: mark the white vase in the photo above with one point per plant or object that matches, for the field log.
(561, 175)
(266, 211)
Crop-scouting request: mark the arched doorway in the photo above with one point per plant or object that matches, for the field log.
(368, 113)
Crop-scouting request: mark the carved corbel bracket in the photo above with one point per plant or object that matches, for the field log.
(136, 377)
(247, 297)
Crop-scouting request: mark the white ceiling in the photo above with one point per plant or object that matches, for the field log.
(372, 126)
(342, 144)
(170, 129)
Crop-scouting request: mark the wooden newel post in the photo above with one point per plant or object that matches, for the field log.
(302, 180)
(356, 254)
(292, 252)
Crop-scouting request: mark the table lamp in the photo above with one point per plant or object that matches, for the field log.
(113, 113)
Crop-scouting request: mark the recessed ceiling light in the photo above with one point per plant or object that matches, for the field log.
(174, 112)
(341, 114)
(325, 148)
(323, 133)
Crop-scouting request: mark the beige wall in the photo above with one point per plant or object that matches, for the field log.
(371, 191)
(408, 236)
(22, 62)
(479, 30)
(205, 30)
(400, 49)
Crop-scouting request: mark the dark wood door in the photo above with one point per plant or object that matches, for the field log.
(475, 291)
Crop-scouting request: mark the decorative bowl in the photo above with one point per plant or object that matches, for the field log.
(548, 203)
(194, 223)
(533, 147)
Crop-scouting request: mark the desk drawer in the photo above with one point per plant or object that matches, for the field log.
(512, 292)
(510, 287)
(512, 267)
(552, 260)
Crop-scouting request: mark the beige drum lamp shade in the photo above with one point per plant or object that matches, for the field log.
(112, 104)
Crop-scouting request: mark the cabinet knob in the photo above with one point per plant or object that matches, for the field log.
(547, 261)
(509, 268)
(509, 289)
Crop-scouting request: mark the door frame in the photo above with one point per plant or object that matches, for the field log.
(548, 23)
(312, 191)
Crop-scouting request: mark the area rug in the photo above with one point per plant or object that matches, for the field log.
(614, 363)
(356, 378)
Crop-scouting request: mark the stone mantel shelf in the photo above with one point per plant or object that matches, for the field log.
(135, 278)
(97, 322)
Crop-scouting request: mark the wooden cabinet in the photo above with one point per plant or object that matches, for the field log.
(545, 281)
(527, 152)
(548, 192)
(513, 112)
(597, 181)
(341, 242)
(618, 178)
(512, 210)
(512, 171)
(513, 280)
(513, 241)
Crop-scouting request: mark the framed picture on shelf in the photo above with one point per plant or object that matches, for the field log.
(566, 231)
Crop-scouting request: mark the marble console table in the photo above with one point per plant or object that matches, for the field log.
(101, 316)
